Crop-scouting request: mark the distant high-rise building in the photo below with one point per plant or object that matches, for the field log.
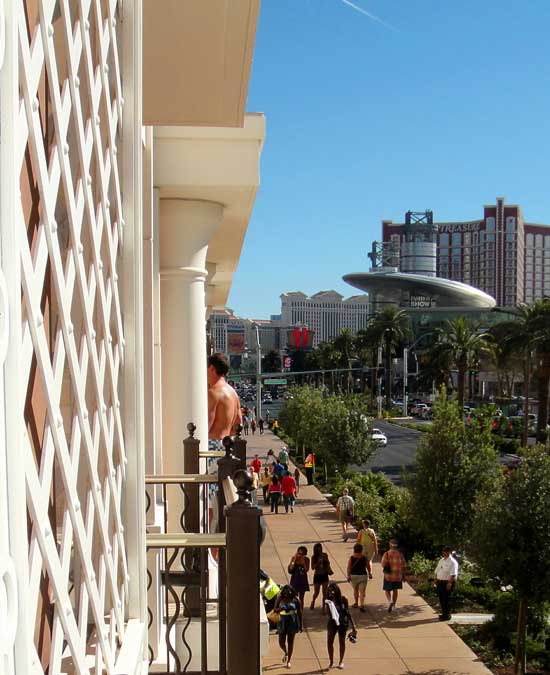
(325, 313)
(500, 253)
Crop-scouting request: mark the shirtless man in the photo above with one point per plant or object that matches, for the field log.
(224, 407)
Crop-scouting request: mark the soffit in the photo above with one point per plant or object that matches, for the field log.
(197, 57)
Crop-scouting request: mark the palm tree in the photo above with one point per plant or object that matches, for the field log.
(367, 343)
(521, 335)
(391, 325)
(464, 345)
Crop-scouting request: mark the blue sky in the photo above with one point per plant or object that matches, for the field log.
(445, 105)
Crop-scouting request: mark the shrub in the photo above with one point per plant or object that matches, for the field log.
(419, 564)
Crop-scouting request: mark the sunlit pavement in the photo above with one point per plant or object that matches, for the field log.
(408, 641)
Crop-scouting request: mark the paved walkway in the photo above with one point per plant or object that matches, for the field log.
(409, 641)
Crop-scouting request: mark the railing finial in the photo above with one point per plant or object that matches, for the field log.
(243, 483)
(191, 428)
(238, 430)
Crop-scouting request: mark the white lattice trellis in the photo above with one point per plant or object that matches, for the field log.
(70, 120)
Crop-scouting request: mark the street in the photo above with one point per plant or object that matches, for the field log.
(399, 452)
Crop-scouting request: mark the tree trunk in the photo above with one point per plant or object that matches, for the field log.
(461, 384)
(526, 378)
(387, 374)
(520, 656)
(543, 383)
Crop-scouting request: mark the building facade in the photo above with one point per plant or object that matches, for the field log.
(500, 253)
(129, 171)
(325, 313)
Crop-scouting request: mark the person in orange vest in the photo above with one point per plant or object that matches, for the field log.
(309, 465)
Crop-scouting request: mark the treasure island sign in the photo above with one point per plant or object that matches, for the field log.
(450, 228)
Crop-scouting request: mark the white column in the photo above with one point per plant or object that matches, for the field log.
(186, 227)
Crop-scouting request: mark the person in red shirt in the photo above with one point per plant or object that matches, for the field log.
(288, 485)
(257, 464)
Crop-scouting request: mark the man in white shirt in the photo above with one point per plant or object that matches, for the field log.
(446, 574)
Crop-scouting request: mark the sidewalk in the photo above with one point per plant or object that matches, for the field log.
(409, 641)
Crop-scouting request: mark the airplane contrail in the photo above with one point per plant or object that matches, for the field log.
(364, 11)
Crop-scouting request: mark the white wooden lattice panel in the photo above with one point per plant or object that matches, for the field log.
(70, 120)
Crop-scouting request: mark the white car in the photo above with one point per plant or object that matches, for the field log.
(379, 438)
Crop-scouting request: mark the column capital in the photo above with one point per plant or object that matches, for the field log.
(196, 273)
(186, 228)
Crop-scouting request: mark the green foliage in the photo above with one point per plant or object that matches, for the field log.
(419, 564)
(510, 534)
(454, 462)
(334, 427)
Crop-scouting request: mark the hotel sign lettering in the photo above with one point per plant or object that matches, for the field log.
(449, 228)
(421, 302)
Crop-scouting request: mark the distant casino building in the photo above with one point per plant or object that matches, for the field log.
(499, 254)
(325, 313)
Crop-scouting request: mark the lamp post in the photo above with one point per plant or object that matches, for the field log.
(406, 371)
(258, 374)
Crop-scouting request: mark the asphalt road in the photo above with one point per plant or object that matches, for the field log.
(399, 452)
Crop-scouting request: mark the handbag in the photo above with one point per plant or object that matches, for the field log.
(273, 616)
(386, 569)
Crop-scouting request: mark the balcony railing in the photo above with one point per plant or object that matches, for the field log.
(202, 586)
(194, 608)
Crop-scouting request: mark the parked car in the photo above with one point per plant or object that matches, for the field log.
(379, 438)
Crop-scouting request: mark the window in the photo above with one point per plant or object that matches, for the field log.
(510, 224)
(444, 239)
(490, 224)
(530, 240)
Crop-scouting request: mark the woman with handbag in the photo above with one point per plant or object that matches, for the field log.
(289, 609)
(298, 569)
(320, 564)
(339, 621)
(358, 573)
(345, 510)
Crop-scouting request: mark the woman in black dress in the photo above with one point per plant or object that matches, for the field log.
(298, 569)
(320, 564)
(339, 621)
(289, 608)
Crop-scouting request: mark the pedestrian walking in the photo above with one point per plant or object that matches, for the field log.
(274, 494)
(257, 464)
(393, 566)
(246, 425)
(266, 482)
(267, 417)
(288, 488)
(253, 426)
(297, 478)
(289, 608)
(298, 569)
(283, 456)
(261, 425)
(359, 572)
(278, 469)
(446, 574)
(255, 485)
(275, 426)
(309, 466)
(320, 564)
(345, 510)
(367, 538)
(339, 621)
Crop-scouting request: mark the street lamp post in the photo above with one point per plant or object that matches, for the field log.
(258, 374)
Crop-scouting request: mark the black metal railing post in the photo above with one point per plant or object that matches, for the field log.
(226, 468)
(191, 517)
(239, 447)
(242, 580)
